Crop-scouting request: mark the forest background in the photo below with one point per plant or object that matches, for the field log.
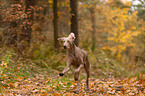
(111, 31)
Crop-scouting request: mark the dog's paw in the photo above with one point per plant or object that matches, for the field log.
(61, 74)
(76, 91)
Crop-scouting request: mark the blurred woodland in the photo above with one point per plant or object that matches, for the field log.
(111, 31)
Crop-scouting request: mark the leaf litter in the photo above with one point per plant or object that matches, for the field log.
(43, 85)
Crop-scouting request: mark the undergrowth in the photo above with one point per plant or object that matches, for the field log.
(42, 57)
(103, 65)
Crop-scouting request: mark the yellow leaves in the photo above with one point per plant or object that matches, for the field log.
(16, 84)
(4, 64)
(65, 3)
(134, 13)
(127, 3)
(11, 84)
(132, 45)
(133, 27)
(49, 89)
(50, 1)
(20, 78)
(111, 38)
(106, 48)
(136, 33)
(124, 30)
(121, 27)
(84, 6)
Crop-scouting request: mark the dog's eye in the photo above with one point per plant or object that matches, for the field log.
(68, 41)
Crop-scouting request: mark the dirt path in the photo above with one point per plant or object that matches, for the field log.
(42, 85)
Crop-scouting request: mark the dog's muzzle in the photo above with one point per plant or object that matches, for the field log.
(64, 47)
(61, 74)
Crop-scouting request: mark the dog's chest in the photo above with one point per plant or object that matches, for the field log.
(76, 57)
(75, 61)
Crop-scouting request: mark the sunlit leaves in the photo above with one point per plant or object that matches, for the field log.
(123, 31)
(114, 19)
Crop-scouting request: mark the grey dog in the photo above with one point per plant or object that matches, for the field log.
(76, 57)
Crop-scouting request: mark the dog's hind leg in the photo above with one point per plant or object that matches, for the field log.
(76, 77)
(87, 69)
(87, 81)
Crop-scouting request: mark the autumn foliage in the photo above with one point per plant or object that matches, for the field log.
(111, 31)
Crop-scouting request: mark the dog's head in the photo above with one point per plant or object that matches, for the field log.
(67, 41)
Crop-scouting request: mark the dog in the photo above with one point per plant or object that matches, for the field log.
(77, 58)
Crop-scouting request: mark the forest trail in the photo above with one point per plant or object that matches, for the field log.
(43, 85)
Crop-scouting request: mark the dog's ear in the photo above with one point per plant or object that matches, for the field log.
(61, 39)
(72, 36)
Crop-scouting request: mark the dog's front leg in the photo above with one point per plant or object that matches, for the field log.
(65, 69)
(79, 68)
(76, 76)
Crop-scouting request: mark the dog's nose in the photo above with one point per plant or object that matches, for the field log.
(64, 47)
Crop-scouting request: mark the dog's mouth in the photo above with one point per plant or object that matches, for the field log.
(64, 47)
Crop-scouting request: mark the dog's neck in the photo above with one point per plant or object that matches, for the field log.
(71, 50)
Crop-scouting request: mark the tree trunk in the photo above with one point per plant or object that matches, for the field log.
(93, 20)
(1, 39)
(74, 19)
(13, 33)
(55, 24)
(12, 38)
(27, 29)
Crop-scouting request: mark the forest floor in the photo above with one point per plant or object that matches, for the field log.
(54, 85)
(26, 77)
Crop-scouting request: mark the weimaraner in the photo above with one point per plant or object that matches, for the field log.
(76, 57)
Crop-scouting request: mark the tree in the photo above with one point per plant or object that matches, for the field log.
(140, 8)
(91, 7)
(74, 19)
(55, 24)
(13, 26)
(27, 29)
(123, 33)
(93, 20)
